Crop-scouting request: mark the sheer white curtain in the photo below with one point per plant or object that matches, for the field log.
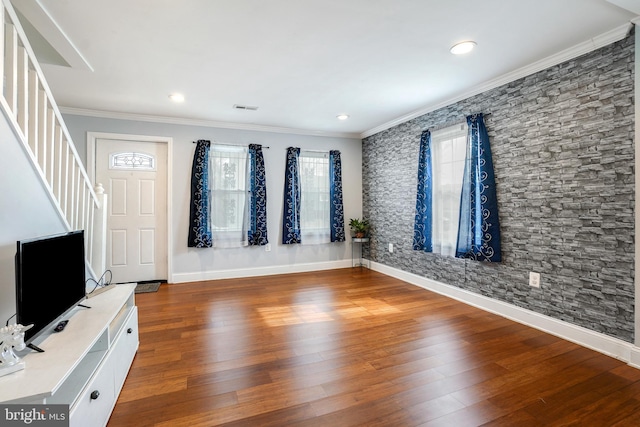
(448, 151)
(315, 216)
(229, 201)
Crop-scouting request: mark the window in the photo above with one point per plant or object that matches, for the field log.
(228, 184)
(448, 151)
(312, 209)
(128, 161)
(456, 203)
(314, 204)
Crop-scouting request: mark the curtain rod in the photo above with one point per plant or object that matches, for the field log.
(450, 123)
(232, 145)
(315, 151)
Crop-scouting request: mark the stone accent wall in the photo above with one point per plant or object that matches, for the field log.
(562, 144)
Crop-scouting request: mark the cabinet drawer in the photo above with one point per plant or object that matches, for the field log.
(124, 349)
(96, 401)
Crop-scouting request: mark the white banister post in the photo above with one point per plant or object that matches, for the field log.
(2, 47)
(11, 67)
(22, 111)
(33, 121)
(99, 240)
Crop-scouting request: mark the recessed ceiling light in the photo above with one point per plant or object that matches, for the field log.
(463, 47)
(343, 117)
(176, 97)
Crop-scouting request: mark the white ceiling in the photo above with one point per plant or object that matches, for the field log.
(303, 62)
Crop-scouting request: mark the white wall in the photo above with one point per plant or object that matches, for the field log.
(26, 212)
(190, 264)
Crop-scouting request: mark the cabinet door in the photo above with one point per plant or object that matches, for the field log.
(96, 401)
(124, 349)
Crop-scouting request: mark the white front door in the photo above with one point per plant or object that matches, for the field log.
(134, 175)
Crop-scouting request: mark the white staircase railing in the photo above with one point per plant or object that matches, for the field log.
(28, 104)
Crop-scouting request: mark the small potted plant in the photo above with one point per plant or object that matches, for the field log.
(359, 227)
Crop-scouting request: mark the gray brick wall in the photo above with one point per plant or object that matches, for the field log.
(562, 143)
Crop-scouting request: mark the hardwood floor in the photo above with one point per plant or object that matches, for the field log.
(353, 347)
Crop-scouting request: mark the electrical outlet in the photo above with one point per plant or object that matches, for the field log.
(391, 247)
(267, 247)
(534, 279)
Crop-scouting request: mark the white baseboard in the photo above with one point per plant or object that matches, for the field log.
(258, 271)
(587, 338)
(635, 357)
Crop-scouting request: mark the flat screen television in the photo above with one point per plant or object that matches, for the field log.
(50, 280)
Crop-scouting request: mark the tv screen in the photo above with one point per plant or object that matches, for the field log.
(50, 279)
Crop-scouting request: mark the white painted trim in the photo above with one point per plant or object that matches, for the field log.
(635, 357)
(169, 207)
(597, 42)
(258, 271)
(13, 125)
(632, 6)
(203, 123)
(92, 138)
(587, 338)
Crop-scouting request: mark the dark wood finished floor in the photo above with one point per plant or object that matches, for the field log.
(353, 347)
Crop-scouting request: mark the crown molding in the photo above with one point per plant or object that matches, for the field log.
(597, 42)
(204, 123)
(594, 43)
(631, 5)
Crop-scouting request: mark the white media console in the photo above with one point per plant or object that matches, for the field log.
(85, 365)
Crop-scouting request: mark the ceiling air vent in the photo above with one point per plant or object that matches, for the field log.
(245, 107)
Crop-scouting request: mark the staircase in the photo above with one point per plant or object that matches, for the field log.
(30, 109)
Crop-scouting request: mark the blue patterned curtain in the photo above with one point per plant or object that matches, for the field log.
(422, 229)
(199, 220)
(479, 229)
(335, 194)
(257, 233)
(291, 214)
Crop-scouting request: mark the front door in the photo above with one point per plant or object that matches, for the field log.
(134, 175)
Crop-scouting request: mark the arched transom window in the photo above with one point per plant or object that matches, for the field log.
(137, 161)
